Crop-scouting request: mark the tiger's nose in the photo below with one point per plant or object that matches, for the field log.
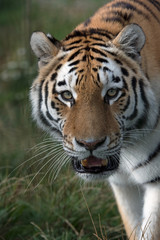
(90, 144)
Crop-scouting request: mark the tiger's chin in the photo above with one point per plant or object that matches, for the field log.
(93, 168)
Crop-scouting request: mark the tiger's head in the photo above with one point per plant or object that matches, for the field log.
(91, 92)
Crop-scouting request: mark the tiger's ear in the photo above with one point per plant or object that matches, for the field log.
(44, 46)
(131, 40)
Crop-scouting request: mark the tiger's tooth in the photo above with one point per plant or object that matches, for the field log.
(104, 162)
(84, 163)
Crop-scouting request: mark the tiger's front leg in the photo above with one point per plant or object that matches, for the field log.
(130, 204)
(151, 213)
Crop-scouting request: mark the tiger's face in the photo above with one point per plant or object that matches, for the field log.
(88, 92)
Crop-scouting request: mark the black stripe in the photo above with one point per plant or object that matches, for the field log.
(72, 69)
(96, 38)
(54, 89)
(129, 6)
(60, 58)
(135, 71)
(127, 104)
(99, 52)
(84, 58)
(80, 79)
(41, 116)
(40, 94)
(150, 158)
(153, 154)
(50, 116)
(122, 95)
(94, 69)
(62, 83)
(91, 57)
(58, 67)
(148, 9)
(99, 44)
(134, 84)
(107, 69)
(46, 123)
(99, 39)
(155, 3)
(102, 60)
(141, 122)
(134, 114)
(124, 15)
(99, 32)
(46, 95)
(44, 120)
(54, 41)
(155, 180)
(124, 71)
(143, 96)
(61, 125)
(112, 53)
(86, 41)
(124, 83)
(59, 119)
(88, 32)
(71, 48)
(96, 82)
(75, 34)
(98, 78)
(75, 42)
(53, 106)
(87, 48)
(114, 19)
(74, 55)
(118, 61)
(54, 75)
(46, 103)
(116, 79)
(74, 63)
(77, 81)
(80, 71)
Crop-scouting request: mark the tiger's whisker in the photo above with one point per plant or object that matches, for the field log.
(57, 170)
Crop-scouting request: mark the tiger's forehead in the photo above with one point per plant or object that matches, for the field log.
(89, 74)
(88, 63)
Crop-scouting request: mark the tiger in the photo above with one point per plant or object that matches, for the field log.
(98, 91)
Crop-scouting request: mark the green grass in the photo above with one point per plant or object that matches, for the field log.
(33, 208)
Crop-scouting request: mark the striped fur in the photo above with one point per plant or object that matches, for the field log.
(98, 90)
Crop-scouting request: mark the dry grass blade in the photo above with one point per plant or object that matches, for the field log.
(42, 234)
(100, 225)
(72, 227)
(96, 234)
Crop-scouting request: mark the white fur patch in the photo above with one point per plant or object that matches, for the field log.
(70, 79)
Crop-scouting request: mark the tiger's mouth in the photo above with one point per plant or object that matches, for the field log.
(94, 165)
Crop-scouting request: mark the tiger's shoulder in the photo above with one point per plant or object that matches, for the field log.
(117, 14)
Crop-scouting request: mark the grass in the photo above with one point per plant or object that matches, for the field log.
(32, 208)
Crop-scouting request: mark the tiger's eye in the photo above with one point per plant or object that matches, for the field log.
(67, 96)
(111, 93)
